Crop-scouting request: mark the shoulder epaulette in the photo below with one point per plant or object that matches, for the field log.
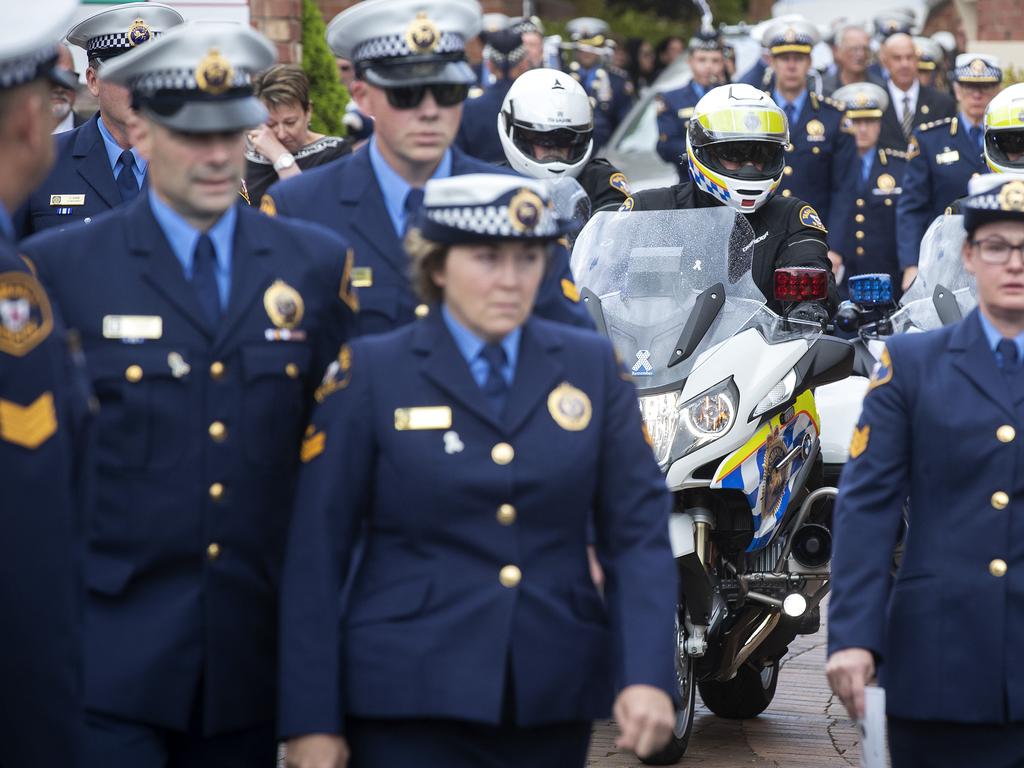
(814, 100)
(935, 124)
(833, 103)
(902, 154)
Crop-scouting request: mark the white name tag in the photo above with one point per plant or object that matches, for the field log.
(432, 417)
(65, 200)
(133, 326)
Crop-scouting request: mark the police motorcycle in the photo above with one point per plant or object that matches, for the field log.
(725, 388)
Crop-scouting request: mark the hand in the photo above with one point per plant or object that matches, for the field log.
(837, 263)
(646, 718)
(318, 750)
(265, 142)
(848, 671)
(596, 571)
(908, 276)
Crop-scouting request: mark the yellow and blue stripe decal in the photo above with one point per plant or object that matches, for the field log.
(705, 180)
(743, 470)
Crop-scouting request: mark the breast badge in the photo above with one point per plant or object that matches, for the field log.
(284, 305)
(815, 130)
(810, 218)
(569, 407)
(25, 315)
(886, 183)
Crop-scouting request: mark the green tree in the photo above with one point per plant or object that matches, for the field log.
(328, 95)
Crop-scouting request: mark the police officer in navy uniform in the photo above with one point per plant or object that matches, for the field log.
(97, 168)
(942, 423)
(879, 171)
(469, 452)
(611, 91)
(505, 56)
(945, 155)
(674, 108)
(42, 413)
(413, 77)
(820, 152)
(206, 327)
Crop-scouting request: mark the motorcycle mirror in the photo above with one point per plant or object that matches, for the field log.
(848, 317)
(794, 284)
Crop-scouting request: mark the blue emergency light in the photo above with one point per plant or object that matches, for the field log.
(870, 290)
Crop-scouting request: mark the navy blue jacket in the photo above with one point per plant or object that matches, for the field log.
(478, 132)
(674, 109)
(43, 412)
(82, 169)
(197, 442)
(447, 503)
(943, 160)
(345, 196)
(944, 425)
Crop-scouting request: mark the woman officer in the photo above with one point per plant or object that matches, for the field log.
(469, 451)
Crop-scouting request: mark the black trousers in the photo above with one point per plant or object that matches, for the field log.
(927, 744)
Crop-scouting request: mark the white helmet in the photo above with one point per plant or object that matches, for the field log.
(1004, 130)
(740, 125)
(546, 108)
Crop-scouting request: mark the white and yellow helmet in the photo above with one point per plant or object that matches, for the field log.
(1004, 130)
(742, 126)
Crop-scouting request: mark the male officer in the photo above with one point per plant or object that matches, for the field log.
(942, 422)
(41, 412)
(612, 91)
(97, 168)
(931, 61)
(899, 22)
(412, 78)
(505, 57)
(707, 66)
(62, 98)
(879, 173)
(532, 31)
(206, 327)
(945, 154)
(910, 103)
(852, 51)
(820, 153)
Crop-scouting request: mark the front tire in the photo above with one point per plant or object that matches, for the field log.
(686, 684)
(746, 695)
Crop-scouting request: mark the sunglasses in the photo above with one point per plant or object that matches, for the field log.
(410, 96)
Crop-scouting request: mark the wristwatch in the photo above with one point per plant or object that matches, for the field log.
(287, 160)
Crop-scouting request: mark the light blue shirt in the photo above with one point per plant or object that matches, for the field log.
(395, 188)
(698, 89)
(183, 238)
(967, 126)
(994, 337)
(798, 104)
(866, 160)
(6, 224)
(114, 155)
(470, 346)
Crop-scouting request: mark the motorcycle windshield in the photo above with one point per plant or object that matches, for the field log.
(646, 270)
(940, 264)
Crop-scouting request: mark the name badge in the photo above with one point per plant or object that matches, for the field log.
(133, 327)
(946, 158)
(431, 417)
(362, 277)
(66, 200)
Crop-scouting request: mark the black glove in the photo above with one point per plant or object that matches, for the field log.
(811, 311)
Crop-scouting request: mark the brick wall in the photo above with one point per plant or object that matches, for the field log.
(1000, 20)
(281, 21)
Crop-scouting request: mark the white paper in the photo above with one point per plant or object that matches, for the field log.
(873, 746)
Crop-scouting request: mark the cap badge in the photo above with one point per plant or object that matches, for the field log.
(1011, 197)
(524, 210)
(978, 67)
(214, 73)
(752, 121)
(422, 35)
(861, 99)
(283, 304)
(139, 32)
(790, 36)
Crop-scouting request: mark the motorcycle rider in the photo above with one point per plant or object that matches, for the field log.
(735, 148)
(546, 127)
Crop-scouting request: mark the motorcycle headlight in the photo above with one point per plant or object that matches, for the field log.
(661, 417)
(677, 430)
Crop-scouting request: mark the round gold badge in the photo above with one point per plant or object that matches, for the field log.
(422, 35)
(1011, 197)
(569, 407)
(978, 67)
(139, 32)
(525, 210)
(886, 183)
(815, 128)
(861, 99)
(283, 304)
(214, 74)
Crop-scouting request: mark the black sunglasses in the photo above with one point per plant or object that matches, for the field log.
(410, 96)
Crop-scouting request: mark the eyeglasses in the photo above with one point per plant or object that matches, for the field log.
(410, 96)
(995, 250)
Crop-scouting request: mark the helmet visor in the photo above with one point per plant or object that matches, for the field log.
(1006, 147)
(750, 160)
(737, 124)
(562, 145)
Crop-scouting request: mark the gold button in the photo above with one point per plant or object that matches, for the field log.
(997, 568)
(291, 371)
(789, 147)
(860, 202)
(859, 234)
(218, 431)
(788, 170)
(888, 201)
(1006, 434)
(502, 453)
(815, 150)
(1000, 500)
(217, 491)
(133, 373)
(422, 310)
(213, 551)
(510, 576)
(506, 514)
(860, 250)
(217, 370)
(786, 193)
(859, 218)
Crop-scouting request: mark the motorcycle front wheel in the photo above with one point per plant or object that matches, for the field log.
(746, 695)
(687, 688)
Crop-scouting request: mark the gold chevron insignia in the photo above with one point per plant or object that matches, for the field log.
(28, 425)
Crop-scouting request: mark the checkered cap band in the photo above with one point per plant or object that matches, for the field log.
(395, 46)
(499, 58)
(181, 80)
(115, 42)
(976, 74)
(25, 68)
(988, 202)
(492, 221)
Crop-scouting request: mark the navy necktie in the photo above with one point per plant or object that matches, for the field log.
(1007, 350)
(413, 203)
(204, 279)
(126, 181)
(790, 110)
(495, 387)
(976, 134)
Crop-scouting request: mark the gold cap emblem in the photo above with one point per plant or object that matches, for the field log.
(283, 304)
(978, 67)
(214, 74)
(139, 32)
(1011, 197)
(790, 36)
(525, 210)
(422, 35)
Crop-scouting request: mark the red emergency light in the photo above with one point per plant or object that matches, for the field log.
(794, 284)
